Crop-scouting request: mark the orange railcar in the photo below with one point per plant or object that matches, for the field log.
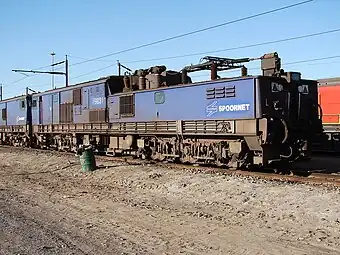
(329, 100)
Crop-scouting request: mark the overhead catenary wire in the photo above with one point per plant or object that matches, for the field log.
(225, 49)
(311, 60)
(238, 47)
(252, 68)
(196, 31)
(181, 35)
(216, 51)
(94, 71)
(202, 53)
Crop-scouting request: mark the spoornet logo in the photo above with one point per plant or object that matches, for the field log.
(20, 118)
(213, 108)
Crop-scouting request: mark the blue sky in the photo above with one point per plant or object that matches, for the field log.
(30, 30)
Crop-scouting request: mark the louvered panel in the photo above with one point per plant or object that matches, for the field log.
(77, 96)
(127, 105)
(151, 126)
(130, 126)
(220, 92)
(210, 126)
(210, 93)
(93, 116)
(97, 115)
(102, 115)
(166, 126)
(141, 126)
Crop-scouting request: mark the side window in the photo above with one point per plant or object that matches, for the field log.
(22, 104)
(34, 103)
(127, 106)
(4, 114)
(159, 97)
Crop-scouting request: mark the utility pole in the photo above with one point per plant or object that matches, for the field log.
(119, 68)
(52, 65)
(66, 71)
(0, 91)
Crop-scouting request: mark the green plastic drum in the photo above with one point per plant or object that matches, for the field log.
(87, 161)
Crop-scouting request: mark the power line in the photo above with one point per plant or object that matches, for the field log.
(176, 37)
(196, 31)
(311, 60)
(238, 47)
(220, 50)
(252, 68)
(100, 60)
(94, 71)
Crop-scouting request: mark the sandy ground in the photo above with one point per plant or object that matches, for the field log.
(49, 207)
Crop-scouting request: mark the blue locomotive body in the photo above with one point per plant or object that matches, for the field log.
(17, 114)
(36, 111)
(69, 105)
(234, 99)
(45, 109)
(15, 120)
(15, 111)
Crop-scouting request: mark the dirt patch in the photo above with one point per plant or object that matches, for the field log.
(49, 207)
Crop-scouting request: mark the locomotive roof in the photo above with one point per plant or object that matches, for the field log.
(105, 78)
(181, 85)
(13, 98)
(87, 83)
(83, 84)
(329, 81)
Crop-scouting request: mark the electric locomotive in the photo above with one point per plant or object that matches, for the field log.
(154, 113)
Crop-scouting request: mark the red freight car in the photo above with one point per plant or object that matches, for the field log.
(329, 100)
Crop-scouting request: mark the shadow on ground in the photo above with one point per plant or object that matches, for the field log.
(319, 164)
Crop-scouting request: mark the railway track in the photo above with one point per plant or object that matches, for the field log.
(313, 177)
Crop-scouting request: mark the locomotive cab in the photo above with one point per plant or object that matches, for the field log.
(16, 120)
(290, 109)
